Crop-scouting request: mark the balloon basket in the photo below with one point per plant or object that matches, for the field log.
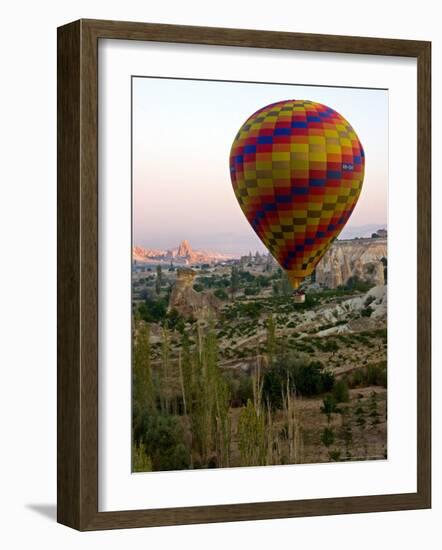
(298, 297)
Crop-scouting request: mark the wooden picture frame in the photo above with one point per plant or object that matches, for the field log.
(78, 274)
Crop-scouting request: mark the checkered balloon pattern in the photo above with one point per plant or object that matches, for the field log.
(297, 169)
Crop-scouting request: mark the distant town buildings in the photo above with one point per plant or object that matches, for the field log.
(266, 261)
(380, 234)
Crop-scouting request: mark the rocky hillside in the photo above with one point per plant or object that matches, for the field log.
(360, 313)
(184, 254)
(362, 258)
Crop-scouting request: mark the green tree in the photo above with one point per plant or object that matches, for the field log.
(234, 281)
(328, 380)
(251, 291)
(221, 294)
(153, 311)
(175, 321)
(310, 378)
(164, 442)
(286, 286)
(327, 437)
(210, 403)
(306, 378)
(329, 406)
(335, 456)
(360, 415)
(346, 433)
(143, 387)
(251, 436)
(141, 462)
(276, 287)
(367, 311)
(218, 399)
(376, 375)
(385, 264)
(186, 373)
(252, 309)
(165, 371)
(373, 409)
(332, 346)
(340, 391)
(293, 424)
(271, 339)
(159, 279)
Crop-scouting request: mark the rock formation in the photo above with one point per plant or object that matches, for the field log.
(362, 258)
(188, 302)
(364, 312)
(184, 254)
(185, 250)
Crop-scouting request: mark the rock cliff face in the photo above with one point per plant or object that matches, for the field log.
(362, 258)
(188, 302)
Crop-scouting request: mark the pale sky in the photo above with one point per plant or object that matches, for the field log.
(182, 134)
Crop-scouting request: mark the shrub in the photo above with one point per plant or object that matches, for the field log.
(240, 388)
(367, 311)
(311, 379)
(163, 440)
(153, 311)
(140, 461)
(335, 456)
(246, 276)
(371, 375)
(328, 380)
(357, 378)
(376, 375)
(221, 294)
(175, 321)
(251, 291)
(306, 378)
(355, 283)
(252, 309)
(263, 281)
(331, 346)
(329, 406)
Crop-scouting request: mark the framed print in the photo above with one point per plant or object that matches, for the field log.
(243, 275)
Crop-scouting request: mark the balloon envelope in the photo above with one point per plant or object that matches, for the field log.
(297, 169)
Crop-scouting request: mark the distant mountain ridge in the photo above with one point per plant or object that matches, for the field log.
(360, 231)
(183, 254)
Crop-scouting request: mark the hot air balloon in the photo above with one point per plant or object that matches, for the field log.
(297, 169)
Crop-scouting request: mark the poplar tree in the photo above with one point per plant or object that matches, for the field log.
(209, 409)
(271, 339)
(286, 287)
(143, 387)
(251, 436)
(234, 281)
(165, 374)
(252, 439)
(159, 279)
(186, 374)
(292, 420)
